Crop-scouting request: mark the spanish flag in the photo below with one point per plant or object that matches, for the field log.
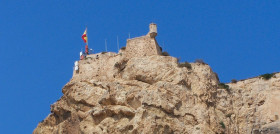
(84, 36)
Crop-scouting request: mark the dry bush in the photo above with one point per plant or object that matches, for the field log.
(200, 61)
(185, 64)
(224, 86)
(165, 54)
(267, 76)
(123, 48)
(233, 81)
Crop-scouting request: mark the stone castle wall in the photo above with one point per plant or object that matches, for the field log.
(101, 64)
(97, 65)
(142, 46)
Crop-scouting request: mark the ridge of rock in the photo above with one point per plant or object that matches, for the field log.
(152, 93)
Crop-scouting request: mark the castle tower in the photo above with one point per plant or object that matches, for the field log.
(153, 30)
(144, 45)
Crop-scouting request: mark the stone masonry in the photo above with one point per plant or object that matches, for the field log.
(144, 45)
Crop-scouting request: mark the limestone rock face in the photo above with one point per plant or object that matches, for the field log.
(152, 94)
(251, 106)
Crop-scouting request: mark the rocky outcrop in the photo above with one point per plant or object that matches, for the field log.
(153, 94)
(251, 106)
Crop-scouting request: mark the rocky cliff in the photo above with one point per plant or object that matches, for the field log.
(251, 106)
(156, 94)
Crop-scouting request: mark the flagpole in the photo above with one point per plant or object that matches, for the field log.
(106, 45)
(87, 35)
(118, 43)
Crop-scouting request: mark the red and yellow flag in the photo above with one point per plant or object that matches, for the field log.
(84, 36)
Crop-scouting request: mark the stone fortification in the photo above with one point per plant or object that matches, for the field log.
(96, 65)
(144, 45)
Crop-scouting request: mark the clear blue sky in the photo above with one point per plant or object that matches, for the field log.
(40, 40)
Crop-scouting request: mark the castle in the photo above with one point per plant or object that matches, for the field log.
(136, 47)
(143, 46)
